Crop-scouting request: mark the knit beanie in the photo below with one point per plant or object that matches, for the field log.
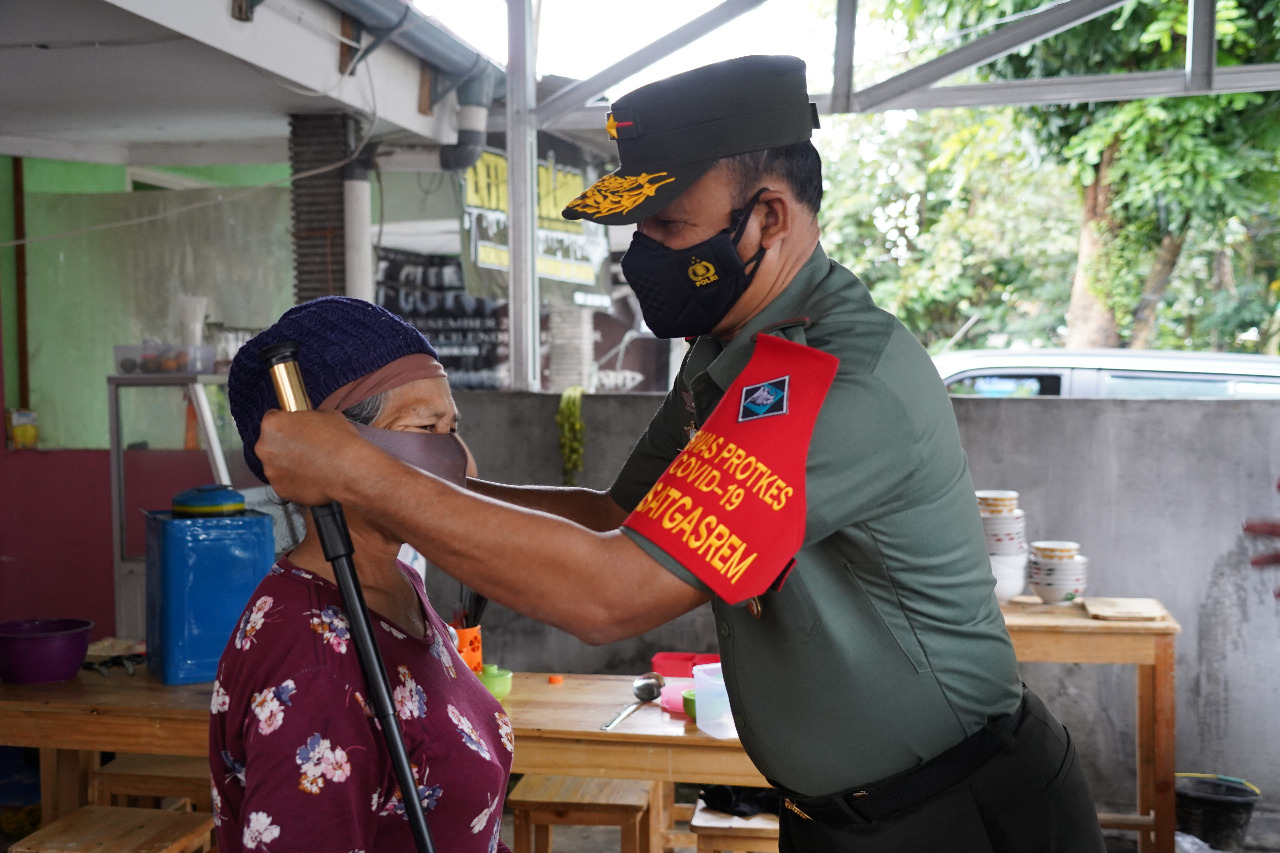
(340, 340)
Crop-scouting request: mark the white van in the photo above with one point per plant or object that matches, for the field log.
(1109, 373)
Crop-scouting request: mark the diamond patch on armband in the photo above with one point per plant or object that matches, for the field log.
(763, 400)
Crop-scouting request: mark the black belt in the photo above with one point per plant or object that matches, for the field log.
(879, 800)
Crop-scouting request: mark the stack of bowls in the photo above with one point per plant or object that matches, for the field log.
(1057, 571)
(1006, 529)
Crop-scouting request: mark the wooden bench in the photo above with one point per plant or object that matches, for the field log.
(720, 832)
(116, 829)
(133, 775)
(539, 802)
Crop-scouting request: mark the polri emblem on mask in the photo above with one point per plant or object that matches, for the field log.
(684, 293)
(702, 273)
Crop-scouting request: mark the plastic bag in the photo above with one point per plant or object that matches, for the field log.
(1184, 843)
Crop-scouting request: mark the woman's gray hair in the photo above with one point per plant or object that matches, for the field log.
(367, 410)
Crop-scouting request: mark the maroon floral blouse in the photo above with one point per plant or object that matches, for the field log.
(300, 763)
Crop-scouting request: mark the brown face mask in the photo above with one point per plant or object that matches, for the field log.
(440, 454)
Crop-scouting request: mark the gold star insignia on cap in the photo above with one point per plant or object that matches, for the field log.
(612, 124)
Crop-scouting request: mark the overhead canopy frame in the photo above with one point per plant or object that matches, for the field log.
(573, 107)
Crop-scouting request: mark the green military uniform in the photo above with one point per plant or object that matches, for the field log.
(885, 646)
(877, 687)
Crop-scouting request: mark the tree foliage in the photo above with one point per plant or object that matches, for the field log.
(932, 211)
(1184, 219)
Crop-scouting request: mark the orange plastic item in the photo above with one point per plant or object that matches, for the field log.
(469, 646)
(555, 679)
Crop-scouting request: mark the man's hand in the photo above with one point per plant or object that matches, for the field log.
(1265, 527)
(305, 454)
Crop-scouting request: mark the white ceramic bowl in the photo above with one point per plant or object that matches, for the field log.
(1006, 544)
(997, 501)
(1016, 520)
(1050, 569)
(1010, 572)
(1057, 578)
(1009, 562)
(1009, 586)
(1055, 549)
(1057, 594)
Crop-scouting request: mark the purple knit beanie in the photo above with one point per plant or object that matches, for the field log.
(340, 340)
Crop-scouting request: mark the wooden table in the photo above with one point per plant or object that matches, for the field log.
(1066, 634)
(557, 726)
(557, 730)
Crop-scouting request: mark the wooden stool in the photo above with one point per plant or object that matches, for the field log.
(665, 812)
(114, 829)
(720, 832)
(538, 802)
(137, 775)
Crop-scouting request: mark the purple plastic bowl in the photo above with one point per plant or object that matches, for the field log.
(35, 651)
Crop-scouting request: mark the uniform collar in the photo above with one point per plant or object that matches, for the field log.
(722, 361)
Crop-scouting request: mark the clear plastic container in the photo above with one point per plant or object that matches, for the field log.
(711, 702)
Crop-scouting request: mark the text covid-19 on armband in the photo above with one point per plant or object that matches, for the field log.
(731, 507)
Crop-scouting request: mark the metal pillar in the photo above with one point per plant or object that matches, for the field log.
(522, 178)
(357, 211)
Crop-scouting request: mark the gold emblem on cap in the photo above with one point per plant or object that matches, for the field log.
(614, 194)
(611, 127)
(701, 273)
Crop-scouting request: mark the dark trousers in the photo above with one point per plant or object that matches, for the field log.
(1032, 799)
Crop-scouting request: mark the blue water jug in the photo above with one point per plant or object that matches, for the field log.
(205, 557)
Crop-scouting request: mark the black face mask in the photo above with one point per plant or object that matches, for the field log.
(684, 293)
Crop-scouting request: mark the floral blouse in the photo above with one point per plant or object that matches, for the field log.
(300, 763)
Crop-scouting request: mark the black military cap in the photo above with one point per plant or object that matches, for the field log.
(671, 132)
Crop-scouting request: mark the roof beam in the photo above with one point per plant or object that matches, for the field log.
(1202, 44)
(1003, 41)
(842, 63)
(575, 95)
(1084, 89)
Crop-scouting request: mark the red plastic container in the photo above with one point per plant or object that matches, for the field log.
(679, 664)
(35, 651)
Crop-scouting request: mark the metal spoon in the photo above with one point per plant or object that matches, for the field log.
(647, 687)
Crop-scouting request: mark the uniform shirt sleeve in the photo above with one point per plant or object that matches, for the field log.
(884, 443)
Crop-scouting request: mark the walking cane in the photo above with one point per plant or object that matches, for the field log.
(335, 540)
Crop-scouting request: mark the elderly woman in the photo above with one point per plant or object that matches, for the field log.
(298, 761)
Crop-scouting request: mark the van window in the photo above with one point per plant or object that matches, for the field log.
(1161, 387)
(1008, 385)
(1252, 390)
(1128, 385)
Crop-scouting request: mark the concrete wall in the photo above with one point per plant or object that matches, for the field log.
(1155, 492)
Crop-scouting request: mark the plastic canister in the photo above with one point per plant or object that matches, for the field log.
(201, 572)
(711, 702)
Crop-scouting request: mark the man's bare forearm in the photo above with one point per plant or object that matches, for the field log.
(592, 509)
(598, 586)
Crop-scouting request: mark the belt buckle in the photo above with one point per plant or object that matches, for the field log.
(791, 806)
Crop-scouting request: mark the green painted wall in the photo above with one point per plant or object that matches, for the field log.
(39, 176)
(8, 282)
(60, 176)
(234, 176)
(89, 291)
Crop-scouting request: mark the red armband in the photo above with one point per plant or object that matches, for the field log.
(731, 507)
